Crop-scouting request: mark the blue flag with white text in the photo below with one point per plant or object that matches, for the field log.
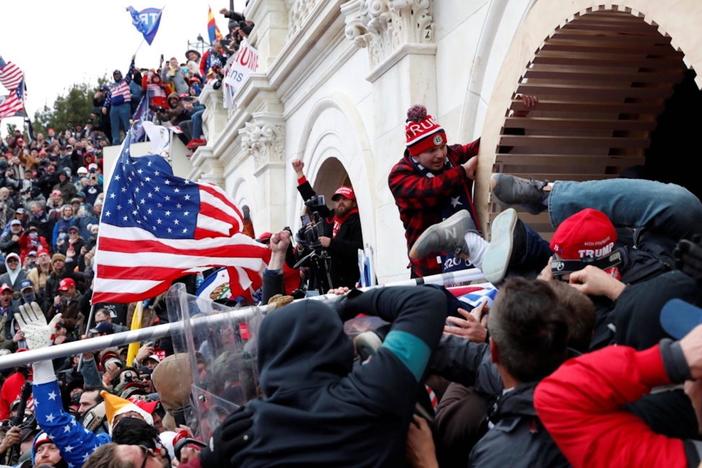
(146, 21)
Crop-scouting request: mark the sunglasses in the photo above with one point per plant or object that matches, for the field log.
(158, 452)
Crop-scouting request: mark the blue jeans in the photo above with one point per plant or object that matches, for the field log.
(119, 120)
(667, 209)
(197, 124)
(533, 258)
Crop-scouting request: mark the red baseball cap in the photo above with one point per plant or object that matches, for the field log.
(588, 234)
(66, 283)
(346, 192)
(5, 287)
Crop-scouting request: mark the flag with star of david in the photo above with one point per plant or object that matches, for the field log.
(156, 227)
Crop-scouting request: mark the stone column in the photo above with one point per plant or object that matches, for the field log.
(399, 38)
(271, 30)
(214, 120)
(206, 167)
(262, 138)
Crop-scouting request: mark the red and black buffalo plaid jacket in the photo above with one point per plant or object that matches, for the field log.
(419, 198)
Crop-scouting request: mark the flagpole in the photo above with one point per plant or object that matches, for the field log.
(212, 321)
(139, 47)
(87, 330)
(135, 325)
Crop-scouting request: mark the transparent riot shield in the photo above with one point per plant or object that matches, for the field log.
(220, 342)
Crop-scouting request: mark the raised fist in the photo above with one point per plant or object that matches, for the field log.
(298, 166)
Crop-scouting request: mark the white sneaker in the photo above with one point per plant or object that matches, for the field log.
(498, 253)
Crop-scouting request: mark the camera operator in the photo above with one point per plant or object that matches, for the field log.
(346, 236)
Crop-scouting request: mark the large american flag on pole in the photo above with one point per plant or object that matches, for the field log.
(156, 227)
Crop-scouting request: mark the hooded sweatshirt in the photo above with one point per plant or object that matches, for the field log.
(320, 411)
(13, 277)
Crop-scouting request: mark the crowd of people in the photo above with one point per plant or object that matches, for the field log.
(168, 93)
(590, 354)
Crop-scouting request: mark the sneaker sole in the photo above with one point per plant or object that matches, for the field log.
(506, 184)
(366, 344)
(452, 222)
(498, 253)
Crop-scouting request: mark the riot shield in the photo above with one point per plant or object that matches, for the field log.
(220, 342)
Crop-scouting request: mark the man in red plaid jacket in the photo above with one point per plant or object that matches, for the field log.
(431, 182)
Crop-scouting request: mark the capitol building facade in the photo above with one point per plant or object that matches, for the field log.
(336, 77)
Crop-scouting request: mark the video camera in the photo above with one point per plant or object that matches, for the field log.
(313, 255)
(312, 224)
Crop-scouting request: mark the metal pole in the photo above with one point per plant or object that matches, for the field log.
(87, 330)
(160, 331)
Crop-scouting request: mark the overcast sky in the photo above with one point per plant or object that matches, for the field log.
(58, 43)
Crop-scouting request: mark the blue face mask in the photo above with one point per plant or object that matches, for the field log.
(29, 297)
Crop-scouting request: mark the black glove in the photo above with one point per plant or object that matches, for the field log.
(345, 306)
(688, 257)
(228, 439)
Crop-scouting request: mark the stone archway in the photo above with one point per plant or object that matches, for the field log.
(603, 77)
(335, 149)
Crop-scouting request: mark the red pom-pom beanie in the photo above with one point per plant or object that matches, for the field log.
(423, 132)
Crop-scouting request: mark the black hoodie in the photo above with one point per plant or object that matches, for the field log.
(320, 411)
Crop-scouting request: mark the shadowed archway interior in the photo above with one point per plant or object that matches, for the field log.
(613, 97)
(331, 176)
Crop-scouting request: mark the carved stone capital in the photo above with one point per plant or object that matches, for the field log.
(383, 26)
(263, 138)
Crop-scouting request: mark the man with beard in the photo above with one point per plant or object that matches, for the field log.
(59, 272)
(346, 236)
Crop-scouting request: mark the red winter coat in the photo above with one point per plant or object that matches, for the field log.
(11, 389)
(27, 244)
(581, 405)
(419, 198)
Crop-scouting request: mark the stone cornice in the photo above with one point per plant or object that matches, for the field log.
(399, 54)
(323, 21)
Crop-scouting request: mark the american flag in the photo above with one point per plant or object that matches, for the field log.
(12, 78)
(13, 104)
(156, 227)
(472, 295)
(10, 75)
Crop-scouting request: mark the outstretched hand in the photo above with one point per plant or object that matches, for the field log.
(473, 325)
(33, 324)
